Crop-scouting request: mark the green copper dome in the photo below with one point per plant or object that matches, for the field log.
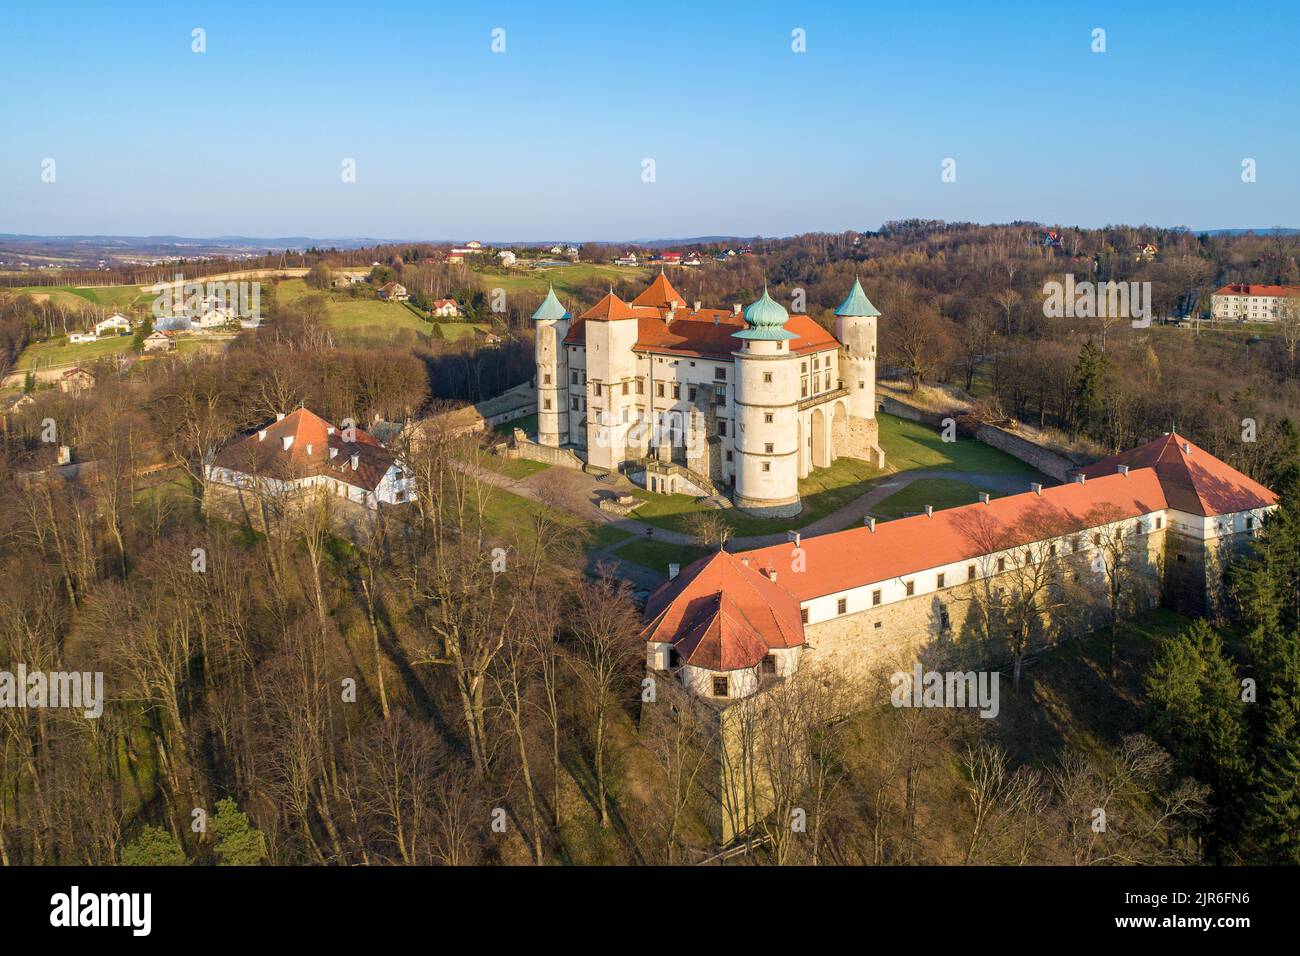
(551, 309)
(857, 304)
(766, 320)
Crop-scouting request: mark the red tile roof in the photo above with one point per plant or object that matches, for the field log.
(707, 333)
(1194, 481)
(860, 556)
(252, 454)
(721, 615)
(1259, 290)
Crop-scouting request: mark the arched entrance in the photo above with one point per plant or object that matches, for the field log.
(820, 458)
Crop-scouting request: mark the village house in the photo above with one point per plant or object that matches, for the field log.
(302, 451)
(455, 258)
(158, 341)
(686, 399)
(76, 338)
(507, 257)
(76, 380)
(446, 308)
(393, 292)
(115, 324)
(627, 260)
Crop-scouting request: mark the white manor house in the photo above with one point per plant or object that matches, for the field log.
(694, 400)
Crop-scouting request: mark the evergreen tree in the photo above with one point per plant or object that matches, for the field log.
(1089, 378)
(238, 842)
(143, 332)
(153, 847)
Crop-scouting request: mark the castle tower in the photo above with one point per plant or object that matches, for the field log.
(612, 408)
(767, 405)
(552, 325)
(855, 327)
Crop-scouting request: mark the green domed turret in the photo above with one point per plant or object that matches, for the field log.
(551, 309)
(857, 305)
(766, 320)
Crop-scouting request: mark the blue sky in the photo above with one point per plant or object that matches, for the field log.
(547, 140)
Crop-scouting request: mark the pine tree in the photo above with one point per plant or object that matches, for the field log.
(238, 842)
(1089, 377)
(153, 847)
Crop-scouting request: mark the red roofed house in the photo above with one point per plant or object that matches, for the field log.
(447, 308)
(301, 450)
(701, 401)
(1253, 303)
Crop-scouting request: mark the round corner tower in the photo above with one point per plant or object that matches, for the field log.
(855, 327)
(767, 406)
(551, 326)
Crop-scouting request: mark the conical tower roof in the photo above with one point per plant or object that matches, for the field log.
(551, 309)
(857, 304)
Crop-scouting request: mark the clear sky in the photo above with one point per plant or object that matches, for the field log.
(547, 139)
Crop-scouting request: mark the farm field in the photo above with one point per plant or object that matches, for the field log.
(121, 297)
(367, 320)
(568, 280)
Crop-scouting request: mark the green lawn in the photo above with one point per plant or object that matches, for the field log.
(528, 423)
(515, 467)
(509, 516)
(910, 445)
(568, 280)
(939, 492)
(455, 331)
(59, 352)
(108, 296)
(657, 555)
(357, 320)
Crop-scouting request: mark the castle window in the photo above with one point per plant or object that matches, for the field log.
(767, 466)
(862, 385)
(674, 658)
(720, 687)
(546, 404)
(573, 378)
(596, 388)
(767, 376)
(769, 664)
(1053, 549)
(828, 381)
(626, 390)
(803, 366)
(1160, 523)
(803, 393)
(729, 456)
(722, 427)
(1002, 564)
(1096, 539)
(803, 614)
(970, 572)
(875, 597)
(573, 404)
(677, 391)
(1250, 523)
(911, 588)
(944, 622)
(769, 447)
(842, 606)
(1182, 557)
(938, 580)
(690, 393)
(816, 363)
(767, 418)
(720, 373)
(546, 378)
(659, 389)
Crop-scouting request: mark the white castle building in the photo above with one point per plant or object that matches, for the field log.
(697, 401)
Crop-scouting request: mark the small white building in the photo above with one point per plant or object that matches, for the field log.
(116, 324)
(446, 308)
(77, 338)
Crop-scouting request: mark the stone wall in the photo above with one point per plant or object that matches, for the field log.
(857, 438)
(1049, 462)
(897, 634)
(521, 447)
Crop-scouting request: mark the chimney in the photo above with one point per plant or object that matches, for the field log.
(793, 536)
(334, 453)
(1081, 478)
(261, 435)
(356, 460)
(735, 309)
(279, 416)
(673, 570)
(697, 305)
(1122, 469)
(870, 523)
(329, 429)
(309, 451)
(745, 561)
(984, 497)
(1187, 448)
(929, 511)
(287, 440)
(1036, 488)
(771, 575)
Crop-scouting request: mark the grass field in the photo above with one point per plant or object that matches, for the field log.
(509, 517)
(568, 280)
(939, 492)
(514, 467)
(367, 320)
(910, 445)
(657, 555)
(106, 297)
(59, 352)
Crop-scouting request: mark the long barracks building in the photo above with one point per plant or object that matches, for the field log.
(890, 593)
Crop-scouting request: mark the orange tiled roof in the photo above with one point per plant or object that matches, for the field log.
(860, 556)
(309, 453)
(659, 294)
(1194, 481)
(609, 308)
(721, 615)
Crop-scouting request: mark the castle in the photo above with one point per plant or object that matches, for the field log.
(691, 400)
